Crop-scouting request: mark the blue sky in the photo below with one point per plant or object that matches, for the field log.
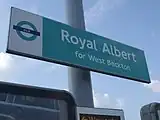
(133, 22)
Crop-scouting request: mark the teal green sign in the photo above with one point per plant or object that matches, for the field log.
(81, 48)
(66, 45)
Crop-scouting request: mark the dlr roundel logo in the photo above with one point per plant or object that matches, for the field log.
(31, 30)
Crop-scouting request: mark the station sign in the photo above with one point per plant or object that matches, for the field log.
(41, 38)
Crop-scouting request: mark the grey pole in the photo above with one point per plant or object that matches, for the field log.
(79, 80)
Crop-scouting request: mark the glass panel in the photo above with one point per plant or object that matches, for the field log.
(2, 97)
(158, 114)
(20, 107)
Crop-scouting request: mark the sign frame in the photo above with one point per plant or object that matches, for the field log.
(100, 111)
(20, 89)
(66, 63)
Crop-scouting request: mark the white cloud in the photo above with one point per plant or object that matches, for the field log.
(154, 85)
(14, 67)
(6, 66)
(101, 100)
(100, 9)
(105, 101)
(120, 103)
(5, 61)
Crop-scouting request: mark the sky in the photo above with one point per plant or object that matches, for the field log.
(132, 22)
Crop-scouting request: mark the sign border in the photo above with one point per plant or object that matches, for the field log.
(66, 63)
(100, 111)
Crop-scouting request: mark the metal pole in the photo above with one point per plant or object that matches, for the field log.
(79, 80)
